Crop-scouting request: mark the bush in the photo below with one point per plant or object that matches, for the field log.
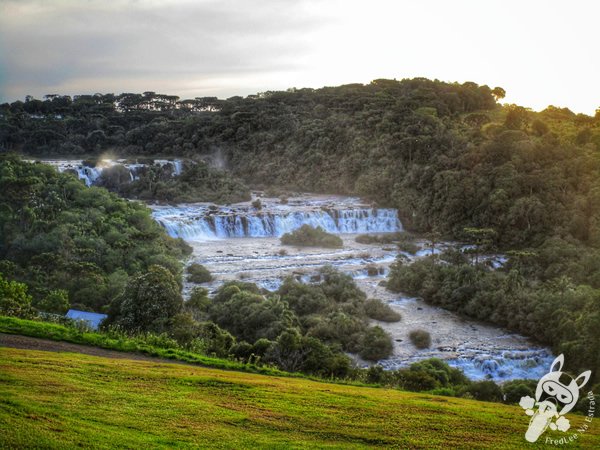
(14, 299)
(420, 339)
(375, 344)
(197, 273)
(415, 380)
(56, 301)
(373, 270)
(515, 389)
(257, 204)
(486, 391)
(307, 236)
(377, 310)
(198, 303)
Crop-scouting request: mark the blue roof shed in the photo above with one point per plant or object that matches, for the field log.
(93, 319)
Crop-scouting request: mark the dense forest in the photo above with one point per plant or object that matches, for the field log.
(75, 244)
(453, 161)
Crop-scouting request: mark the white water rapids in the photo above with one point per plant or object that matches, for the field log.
(241, 242)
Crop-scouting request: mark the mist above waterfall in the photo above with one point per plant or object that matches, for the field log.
(90, 175)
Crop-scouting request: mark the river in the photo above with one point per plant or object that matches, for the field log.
(241, 242)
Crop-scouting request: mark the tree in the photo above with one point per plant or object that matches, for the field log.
(517, 117)
(14, 299)
(149, 301)
(56, 301)
(498, 93)
(481, 238)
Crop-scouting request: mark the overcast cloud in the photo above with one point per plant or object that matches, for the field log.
(541, 52)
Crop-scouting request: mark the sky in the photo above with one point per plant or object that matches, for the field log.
(541, 52)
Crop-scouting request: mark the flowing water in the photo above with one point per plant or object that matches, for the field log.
(241, 242)
(90, 175)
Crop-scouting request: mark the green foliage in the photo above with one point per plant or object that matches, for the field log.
(420, 339)
(431, 375)
(250, 316)
(197, 182)
(197, 273)
(14, 299)
(114, 338)
(515, 389)
(486, 391)
(375, 344)
(538, 300)
(304, 327)
(377, 310)
(56, 302)
(148, 302)
(58, 234)
(307, 236)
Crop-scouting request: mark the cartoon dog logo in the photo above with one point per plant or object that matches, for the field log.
(556, 394)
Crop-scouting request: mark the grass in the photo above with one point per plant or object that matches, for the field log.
(65, 400)
(141, 344)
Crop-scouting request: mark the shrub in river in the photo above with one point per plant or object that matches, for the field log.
(197, 273)
(257, 204)
(408, 247)
(377, 310)
(375, 344)
(307, 236)
(373, 270)
(90, 162)
(420, 339)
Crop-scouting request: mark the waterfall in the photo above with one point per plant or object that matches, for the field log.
(197, 223)
(90, 175)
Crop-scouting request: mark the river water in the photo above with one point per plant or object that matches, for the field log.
(241, 242)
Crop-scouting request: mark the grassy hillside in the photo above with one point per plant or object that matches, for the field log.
(70, 400)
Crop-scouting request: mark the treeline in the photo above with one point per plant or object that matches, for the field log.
(554, 310)
(198, 182)
(446, 155)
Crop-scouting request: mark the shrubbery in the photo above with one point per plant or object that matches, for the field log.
(58, 234)
(507, 296)
(420, 339)
(197, 273)
(307, 236)
(377, 310)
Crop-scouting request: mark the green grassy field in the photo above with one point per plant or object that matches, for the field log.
(64, 400)
(140, 344)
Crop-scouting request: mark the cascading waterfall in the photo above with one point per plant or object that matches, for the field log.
(200, 223)
(90, 175)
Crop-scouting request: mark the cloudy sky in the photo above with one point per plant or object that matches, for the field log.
(542, 52)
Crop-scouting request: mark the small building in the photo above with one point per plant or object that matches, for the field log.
(92, 320)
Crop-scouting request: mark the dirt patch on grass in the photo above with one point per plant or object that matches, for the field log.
(32, 343)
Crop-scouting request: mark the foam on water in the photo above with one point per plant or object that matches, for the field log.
(199, 222)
